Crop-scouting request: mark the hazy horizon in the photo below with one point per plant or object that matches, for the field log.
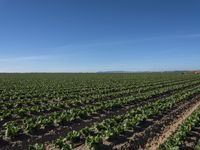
(107, 71)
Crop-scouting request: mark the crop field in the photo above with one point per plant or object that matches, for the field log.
(99, 111)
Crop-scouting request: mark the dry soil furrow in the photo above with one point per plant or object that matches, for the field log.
(147, 129)
(169, 130)
(155, 126)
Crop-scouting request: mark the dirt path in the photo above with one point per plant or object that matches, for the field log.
(168, 131)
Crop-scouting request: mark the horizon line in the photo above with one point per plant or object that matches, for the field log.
(147, 71)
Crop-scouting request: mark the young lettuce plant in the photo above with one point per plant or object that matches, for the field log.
(73, 136)
(11, 129)
(37, 147)
(93, 142)
(62, 144)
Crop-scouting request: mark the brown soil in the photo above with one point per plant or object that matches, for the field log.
(139, 137)
(149, 129)
(168, 131)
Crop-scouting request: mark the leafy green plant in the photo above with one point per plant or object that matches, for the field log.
(93, 142)
(178, 138)
(37, 147)
(11, 129)
(197, 147)
(30, 126)
(62, 143)
(85, 132)
(73, 136)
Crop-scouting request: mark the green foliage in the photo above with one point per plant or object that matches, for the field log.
(73, 136)
(39, 102)
(11, 129)
(178, 138)
(62, 144)
(37, 147)
(93, 142)
(197, 147)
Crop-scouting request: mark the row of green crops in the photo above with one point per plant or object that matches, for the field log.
(175, 141)
(110, 128)
(38, 103)
(31, 125)
(41, 106)
(27, 111)
(89, 99)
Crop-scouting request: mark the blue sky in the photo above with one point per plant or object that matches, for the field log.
(99, 35)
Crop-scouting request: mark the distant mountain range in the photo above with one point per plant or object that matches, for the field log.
(115, 72)
(175, 71)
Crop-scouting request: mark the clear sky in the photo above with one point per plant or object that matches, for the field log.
(99, 35)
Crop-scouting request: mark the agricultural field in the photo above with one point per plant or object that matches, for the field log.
(100, 111)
